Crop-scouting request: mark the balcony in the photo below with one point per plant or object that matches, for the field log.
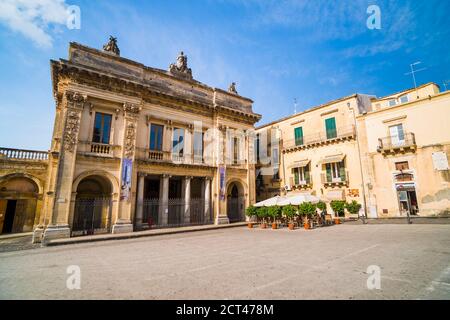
(21, 154)
(319, 139)
(392, 144)
(300, 184)
(330, 181)
(171, 157)
(99, 149)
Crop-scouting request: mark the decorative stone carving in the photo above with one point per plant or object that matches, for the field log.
(131, 108)
(232, 88)
(112, 46)
(75, 100)
(71, 130)
(130, 135)
(180, 68)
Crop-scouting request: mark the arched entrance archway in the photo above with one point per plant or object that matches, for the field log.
(18, 201)
(235, 202)
(92, 213)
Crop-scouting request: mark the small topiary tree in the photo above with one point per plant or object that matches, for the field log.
(338, 207)
(307, 209)
(290, 212)
(353, 207)
(321, 206)
(262, 214)
(251, 211)
(274, 212)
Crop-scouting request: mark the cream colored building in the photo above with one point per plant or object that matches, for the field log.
(405, 153)
(133, 147)
(390, 154)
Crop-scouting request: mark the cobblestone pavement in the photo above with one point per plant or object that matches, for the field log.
(18, 243)
(241, 263)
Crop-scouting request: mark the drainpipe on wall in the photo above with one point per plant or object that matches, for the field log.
(360, 163)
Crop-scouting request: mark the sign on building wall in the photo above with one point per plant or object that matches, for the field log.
(440, 161)
(126, 180)
(222, 182)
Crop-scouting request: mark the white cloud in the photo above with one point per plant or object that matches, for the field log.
(32, 18)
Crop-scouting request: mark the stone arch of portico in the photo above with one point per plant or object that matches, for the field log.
(115, 191)
(28, 212)
(24, 175)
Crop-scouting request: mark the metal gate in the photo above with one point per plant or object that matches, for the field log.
(91, 216)
(235, 209)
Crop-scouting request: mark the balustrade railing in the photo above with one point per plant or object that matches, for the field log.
(21, 154)
(320, 137)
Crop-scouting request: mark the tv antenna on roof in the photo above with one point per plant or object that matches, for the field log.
(446, 82)
(295, 105)
(413, 73)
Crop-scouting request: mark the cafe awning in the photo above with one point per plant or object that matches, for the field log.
(332, 158)
(299, 164)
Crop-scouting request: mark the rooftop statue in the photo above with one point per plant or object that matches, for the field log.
(181, 68)
(111, 46)
(232, 88)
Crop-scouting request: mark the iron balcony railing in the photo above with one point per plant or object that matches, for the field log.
(299, 182)
(21, 154)
(408, 140)
(330, 179)
(318, 138)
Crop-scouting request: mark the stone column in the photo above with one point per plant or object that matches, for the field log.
(207, 197)
(123, 221)
(164, 200)
(140, 200)
(187, 199)
(73, 103)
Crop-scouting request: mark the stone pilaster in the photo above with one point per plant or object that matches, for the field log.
(123, 222)
(164, 200)
(187, 199)
(73, 104)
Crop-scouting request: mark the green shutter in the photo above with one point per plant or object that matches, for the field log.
(298, 132)
(342, 171)
(296, 176)
(328, 168)
(307, 174)
(330, 126)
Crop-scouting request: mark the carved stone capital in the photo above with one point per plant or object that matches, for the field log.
(76, 100)
(131, 108)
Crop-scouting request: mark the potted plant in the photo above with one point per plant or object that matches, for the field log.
(290, 212)
(338, 207)
(307, 209)
(274, 212)
(322, 206)
(353, 207)
(251, 212)
(262, 214)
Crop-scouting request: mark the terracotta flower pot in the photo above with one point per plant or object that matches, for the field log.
(306, 225)
(291, 226)
(263, 225)
(274, 226)
(250, 225)
(337, 221)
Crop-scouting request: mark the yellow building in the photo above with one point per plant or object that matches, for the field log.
(133, 147)
(405, 153)
(389, 154)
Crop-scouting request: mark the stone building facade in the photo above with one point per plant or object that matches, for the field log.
(133, 147)
(389, 154)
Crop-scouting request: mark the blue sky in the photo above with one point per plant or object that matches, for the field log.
(314, 51)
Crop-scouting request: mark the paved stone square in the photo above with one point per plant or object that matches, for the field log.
(238, 263)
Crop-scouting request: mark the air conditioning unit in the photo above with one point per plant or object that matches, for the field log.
(287, 187)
